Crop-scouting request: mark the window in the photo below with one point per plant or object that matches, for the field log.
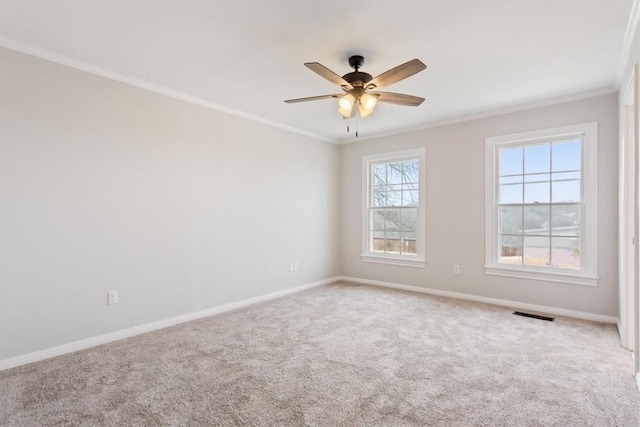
(393, 208)
(542, 205)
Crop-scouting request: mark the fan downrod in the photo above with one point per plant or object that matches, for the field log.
(356, 61)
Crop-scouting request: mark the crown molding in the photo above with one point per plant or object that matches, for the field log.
(142, 84)
(491, 113)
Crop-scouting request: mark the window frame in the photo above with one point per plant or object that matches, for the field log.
(588, 273)
(367, 255)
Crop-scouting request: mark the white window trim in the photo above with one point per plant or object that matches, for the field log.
(417, 260)
(588, 275)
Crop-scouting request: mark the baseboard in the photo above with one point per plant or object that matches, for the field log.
(130, 332)
(487, 300)
(623, 341)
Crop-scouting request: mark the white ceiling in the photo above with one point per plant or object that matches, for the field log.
(249, 55)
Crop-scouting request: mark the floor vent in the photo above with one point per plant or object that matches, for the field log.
(534, 316)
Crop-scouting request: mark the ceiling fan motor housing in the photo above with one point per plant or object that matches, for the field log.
(357, 78)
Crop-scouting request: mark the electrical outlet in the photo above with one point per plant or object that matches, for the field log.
(456, 269)
(295, 265)
(112, 297)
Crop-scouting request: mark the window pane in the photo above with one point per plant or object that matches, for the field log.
(393, 243)
(510, 161)
(510, 219)
(566, 156)
(410, 171)
(565, 253)
(537, 158)
(510, 250)
(392, 219)
(394, 198)
(409, 219)
(536, 220)
(565, 220)
(379, 197)
(378, 242)
(537, 193)
(566, 191)
(393, 207)
(536, 251)
(410, 198)
(394, 173)
(511, 194)
(377, 219)
(379, 174)
(409, 244)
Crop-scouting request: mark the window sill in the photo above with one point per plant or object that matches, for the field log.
(558, 277)
(404, 262)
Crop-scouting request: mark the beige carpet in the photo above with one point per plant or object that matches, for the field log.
(339, 355)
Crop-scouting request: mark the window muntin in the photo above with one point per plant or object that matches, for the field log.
(540, 204)
(393, 211)
(393, 208)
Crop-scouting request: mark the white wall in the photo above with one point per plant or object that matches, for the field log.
(180, 208)
(455, 204)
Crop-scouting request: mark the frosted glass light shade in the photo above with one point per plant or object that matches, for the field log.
(366, 104)
(345, 105)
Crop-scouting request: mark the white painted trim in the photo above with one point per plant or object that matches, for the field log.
(588, 275)
(114, 75)
(407, 261)
(545, 276)
(638, 380)
(403, 262)
(487, 300)
(630, 33)
(619, 325)
(626, 219)
(137, 330)
(636, 216)
(491, 113)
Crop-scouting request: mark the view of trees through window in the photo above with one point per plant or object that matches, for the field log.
(394, 207)
(539, 204)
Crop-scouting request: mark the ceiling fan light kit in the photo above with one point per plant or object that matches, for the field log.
(345, 105)
(359, 87)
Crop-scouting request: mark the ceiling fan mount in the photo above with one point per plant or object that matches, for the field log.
(358, 86)
(356, 61)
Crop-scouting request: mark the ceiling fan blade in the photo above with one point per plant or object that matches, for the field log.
(323, 71)
(313, 98)
(398, 98)
(396, 74)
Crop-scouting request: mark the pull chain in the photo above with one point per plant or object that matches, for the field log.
(348, 126)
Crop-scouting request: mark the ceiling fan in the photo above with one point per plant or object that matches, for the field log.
(360, 88)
